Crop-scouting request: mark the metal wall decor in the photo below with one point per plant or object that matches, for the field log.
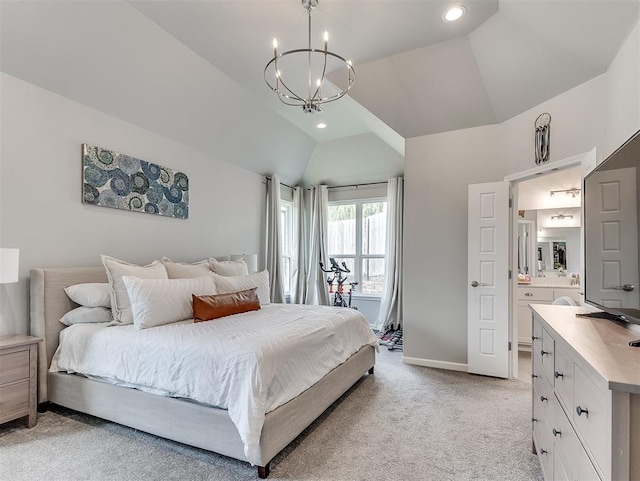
(112, 179)
(542, 137)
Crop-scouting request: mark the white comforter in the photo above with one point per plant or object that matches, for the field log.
(248, 363)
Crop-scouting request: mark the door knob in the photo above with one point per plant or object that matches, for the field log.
(476, 284)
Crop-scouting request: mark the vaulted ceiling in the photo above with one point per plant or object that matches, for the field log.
(415, 72)
(192, 70)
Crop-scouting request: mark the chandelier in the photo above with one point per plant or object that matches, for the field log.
(310, 65)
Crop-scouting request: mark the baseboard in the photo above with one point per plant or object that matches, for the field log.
(451, 366)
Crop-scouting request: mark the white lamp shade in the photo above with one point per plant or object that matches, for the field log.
(250, 259)
(9, 265)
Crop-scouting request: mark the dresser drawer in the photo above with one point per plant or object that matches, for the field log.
(14, 398)
(544, 446)
(584, 468)
(15, 366)
(564, 378)
(535, 294)
(545, 397)
(565, 443)
(590, 417)
(536, 338)
(542, 437)
(547, 352)
(537, 373)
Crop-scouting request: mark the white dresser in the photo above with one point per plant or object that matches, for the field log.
(586, 396)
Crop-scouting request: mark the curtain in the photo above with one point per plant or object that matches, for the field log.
(274, 240)
(309, 283)
(390, 315)
(300, 241)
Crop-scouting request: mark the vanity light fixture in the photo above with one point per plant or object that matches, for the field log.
(561, 217)
(573, 192)
(454, 13)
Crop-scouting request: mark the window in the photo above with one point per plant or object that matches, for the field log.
(286, 217)
(357, 235)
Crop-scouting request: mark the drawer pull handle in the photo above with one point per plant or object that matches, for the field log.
(581, 410)
(543, 352)
(543, 451)
(528, 294)
(558, 374)
(542, 398)
(556, 432)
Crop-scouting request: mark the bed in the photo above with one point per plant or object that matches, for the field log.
(181, 420)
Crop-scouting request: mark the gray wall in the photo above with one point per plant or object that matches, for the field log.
(600, 113)
(40, 195)
(438, 170)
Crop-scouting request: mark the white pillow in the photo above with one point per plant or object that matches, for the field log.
(155, 302)
(229, 268)
(90, 294)
(181, 270)
(116, 269)
(229, 284)
(84, 315)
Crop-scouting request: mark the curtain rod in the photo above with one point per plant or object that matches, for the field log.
(340, 186)
(281, 183)
(359, 185)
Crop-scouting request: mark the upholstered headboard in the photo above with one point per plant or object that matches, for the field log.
(49, 303)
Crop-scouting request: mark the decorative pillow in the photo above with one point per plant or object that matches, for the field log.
(225, 285)
(229, 268)
(206, 308)
(85, 315)
(116, 269)
(155, 302)
(90, 294)
(181, 270)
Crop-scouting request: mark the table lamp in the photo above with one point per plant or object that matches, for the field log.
(250, 259)
(9, 265)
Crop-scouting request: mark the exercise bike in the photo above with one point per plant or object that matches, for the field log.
(339, 277)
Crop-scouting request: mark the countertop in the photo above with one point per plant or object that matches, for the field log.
(603, 344)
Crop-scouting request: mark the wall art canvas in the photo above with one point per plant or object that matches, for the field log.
(112, 179)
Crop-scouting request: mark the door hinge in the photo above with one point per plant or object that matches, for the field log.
(509, 273)
(510, 203)
(509, 345)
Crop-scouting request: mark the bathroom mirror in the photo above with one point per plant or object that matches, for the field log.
(526, 246)
(552, 255)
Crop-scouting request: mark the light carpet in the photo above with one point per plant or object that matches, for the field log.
(403, 423)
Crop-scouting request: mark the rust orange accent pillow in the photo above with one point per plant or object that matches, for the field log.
(206, 308)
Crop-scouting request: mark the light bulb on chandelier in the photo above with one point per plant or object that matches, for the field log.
(315, 63)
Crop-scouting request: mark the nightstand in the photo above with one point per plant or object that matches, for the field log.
(18, 378)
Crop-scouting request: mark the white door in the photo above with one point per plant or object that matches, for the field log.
(488, 279)
(612, 231)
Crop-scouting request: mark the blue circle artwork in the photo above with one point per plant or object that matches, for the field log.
(112, 179)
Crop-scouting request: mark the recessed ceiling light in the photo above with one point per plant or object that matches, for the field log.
(455, 13)
(322, 125)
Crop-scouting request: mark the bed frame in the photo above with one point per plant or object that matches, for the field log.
(180, 420)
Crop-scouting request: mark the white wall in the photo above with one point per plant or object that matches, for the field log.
(577, 126)
(623, 94)
(438, 169)
(40, 195)
(353, 160)
(602, 112)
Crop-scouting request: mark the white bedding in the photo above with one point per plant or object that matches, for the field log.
(248, 363)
